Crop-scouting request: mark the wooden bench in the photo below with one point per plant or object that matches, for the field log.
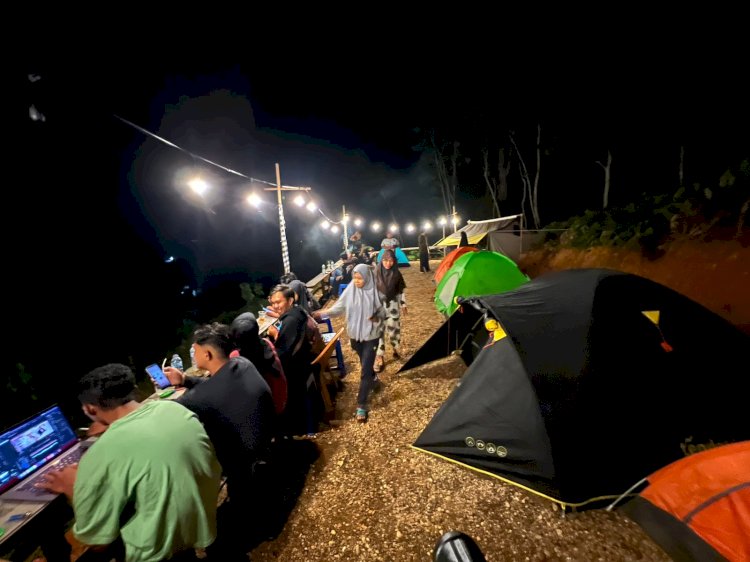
(326, 376)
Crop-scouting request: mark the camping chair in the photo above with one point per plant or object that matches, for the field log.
(326, 377)
(328, 336)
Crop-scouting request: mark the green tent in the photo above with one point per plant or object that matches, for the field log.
(477, 274)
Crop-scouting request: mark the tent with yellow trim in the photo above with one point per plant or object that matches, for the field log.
(589, 380)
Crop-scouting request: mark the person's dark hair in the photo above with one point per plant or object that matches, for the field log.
(245, 334)
(464, 240)
(287, 278)
(285, 290)
(108, 386)
(215, 335)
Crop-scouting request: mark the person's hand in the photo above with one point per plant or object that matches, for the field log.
(316, 315)
(96, 428)
(60, 481)
(404, 309)
(175, 376)
(273, 332)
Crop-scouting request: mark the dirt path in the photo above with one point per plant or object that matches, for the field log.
(370, 497)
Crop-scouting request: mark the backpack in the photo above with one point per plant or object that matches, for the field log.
(314, 337)
(276, 381)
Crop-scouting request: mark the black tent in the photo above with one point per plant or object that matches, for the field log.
(595, 379)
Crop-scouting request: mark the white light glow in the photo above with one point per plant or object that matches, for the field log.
(456, 219)
(311, 207)
(357, 222)
(198, 186)
(345, 220)
(375, 226)
(410, 227)
(325, 224)
(335, 229)
(442, 221)
(299, 200)
(427, 226)
(254, 199)
(393, 227)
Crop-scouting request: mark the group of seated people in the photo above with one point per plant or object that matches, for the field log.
(148, 488)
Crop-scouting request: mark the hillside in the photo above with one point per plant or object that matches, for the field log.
(714, 273)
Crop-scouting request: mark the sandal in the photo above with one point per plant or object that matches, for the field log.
(361, 415)
(378, 366)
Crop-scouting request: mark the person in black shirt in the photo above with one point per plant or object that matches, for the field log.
(293, 347)
(236, 408)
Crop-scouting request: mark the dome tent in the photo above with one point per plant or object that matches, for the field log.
(475, 274)
(593, 379)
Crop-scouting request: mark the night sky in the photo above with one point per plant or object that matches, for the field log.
(98, 205)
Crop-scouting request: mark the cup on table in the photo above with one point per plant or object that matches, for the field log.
(261, 316)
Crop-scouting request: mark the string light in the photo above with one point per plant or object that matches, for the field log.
(200, 187)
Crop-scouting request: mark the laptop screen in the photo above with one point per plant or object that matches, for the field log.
(31, 444)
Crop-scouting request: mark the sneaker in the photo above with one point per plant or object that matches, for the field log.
(361, 415)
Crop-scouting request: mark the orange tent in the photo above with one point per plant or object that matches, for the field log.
(698, 508)
(450, 259)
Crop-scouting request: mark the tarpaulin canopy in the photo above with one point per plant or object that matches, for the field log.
(477, 230)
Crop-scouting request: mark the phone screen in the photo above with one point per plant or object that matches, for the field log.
(155, 372)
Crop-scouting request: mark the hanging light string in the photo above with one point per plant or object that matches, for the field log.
(240, 174)
(198, 156)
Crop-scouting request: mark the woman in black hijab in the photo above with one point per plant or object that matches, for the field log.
(391, 285)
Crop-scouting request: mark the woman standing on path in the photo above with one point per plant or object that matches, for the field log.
(391, 285)
(364, 325)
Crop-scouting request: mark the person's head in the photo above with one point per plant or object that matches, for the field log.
(361, 275)
(464, 239)
(244, 331)
(106, 388)
(287, 278)
(389, 259)
(300, 294)
(281, 299)
(212, 344)
(389, 234)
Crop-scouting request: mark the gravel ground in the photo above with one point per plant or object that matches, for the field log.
(370, 497)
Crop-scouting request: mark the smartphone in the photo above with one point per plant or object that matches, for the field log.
(158, 376)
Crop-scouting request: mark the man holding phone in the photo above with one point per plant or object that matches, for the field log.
(235, 406)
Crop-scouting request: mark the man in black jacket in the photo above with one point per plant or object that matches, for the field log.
(293, 347)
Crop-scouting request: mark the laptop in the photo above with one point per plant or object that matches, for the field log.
(30, 449)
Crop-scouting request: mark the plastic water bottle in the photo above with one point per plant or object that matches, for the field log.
(176, 362)
(323, 268)
(192, 357)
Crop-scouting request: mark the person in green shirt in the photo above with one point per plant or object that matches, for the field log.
(150, 482)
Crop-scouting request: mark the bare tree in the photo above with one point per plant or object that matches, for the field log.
(535, 198)
(607, 175)
(446, 156)
(529, 192)
(497, 186)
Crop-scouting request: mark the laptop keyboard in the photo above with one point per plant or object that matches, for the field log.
(70, 459)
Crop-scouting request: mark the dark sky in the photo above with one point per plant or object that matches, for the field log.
(99, 205)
